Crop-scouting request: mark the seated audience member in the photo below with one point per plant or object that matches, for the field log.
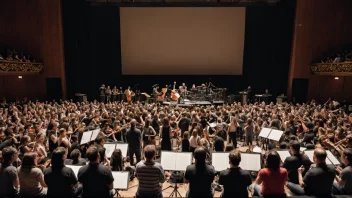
(200, 176)
(96, 179)
(75, 159)
(229, 147)
(61, 180)
(219, 144)
(185, 142)
(273, 178)
(235, 180)
(117, 163)
(318, 180)
(150, 174)
(283, 145)
(9, 181)
(31, 178)
(343, 183)
(292, 164)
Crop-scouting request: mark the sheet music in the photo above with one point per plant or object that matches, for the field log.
(284, 154)
(220, 161)
(250, 161)
(109, 149)
(264, 132)
(168, 160)
(183, 160)
(275, 135)
(309, 154)
(123, 148)
(121, 179)
(95, 134)
(302, 148)
(75, 169)
(213, 125)
(332, 158)
(257, 149)
(86, 137)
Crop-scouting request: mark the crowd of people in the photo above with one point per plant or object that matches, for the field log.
(38, 140)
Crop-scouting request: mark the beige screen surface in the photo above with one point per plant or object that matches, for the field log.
(182, 40)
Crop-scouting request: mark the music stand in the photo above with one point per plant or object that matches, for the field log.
(175, 161)
(119, 184)
(264, 133)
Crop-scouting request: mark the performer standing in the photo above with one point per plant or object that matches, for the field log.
(102, 93)
(114, 94)
(108, 94)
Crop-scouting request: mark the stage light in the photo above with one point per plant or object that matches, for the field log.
(19, 77)
(336, 78)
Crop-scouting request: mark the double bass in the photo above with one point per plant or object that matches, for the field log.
(174, 95)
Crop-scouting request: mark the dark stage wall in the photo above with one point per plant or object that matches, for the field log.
(93, 54)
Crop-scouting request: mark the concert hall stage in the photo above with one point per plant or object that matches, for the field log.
(190, 103)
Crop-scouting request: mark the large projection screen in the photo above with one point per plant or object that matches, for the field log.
(182, 40)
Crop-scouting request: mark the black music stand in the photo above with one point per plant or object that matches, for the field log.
(117, 193)
(175, 191)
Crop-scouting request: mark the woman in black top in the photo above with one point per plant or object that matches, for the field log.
(185, 142)
(166, 135)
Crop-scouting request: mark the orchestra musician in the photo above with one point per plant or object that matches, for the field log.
(129, 94)
(102, 93)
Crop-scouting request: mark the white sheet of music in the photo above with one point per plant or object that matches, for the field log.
(109, 149)
(250, 161)
(275, 135)
(309, 154)
(168, 160)
(332, 158)
(183, 160)
(264, 132)
(257, 149)
(95, 134)
(75, 169)
(220, 161)
(121, 179)
(123, 148)
(302, 148)
(86, 137)
(283, 155)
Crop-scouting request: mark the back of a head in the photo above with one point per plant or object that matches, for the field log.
(273, 160)
(7, 155)
(283, 145)
(295, 145)
(28, 160)
(200, 155)
(235, 157)
(57, 157)
(229, 147)
(92, 153)
(133, 123)
(320, 154)
(149, 152)
(348, 153)
(75, 153)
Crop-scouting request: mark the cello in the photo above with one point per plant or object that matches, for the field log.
(129, 94)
